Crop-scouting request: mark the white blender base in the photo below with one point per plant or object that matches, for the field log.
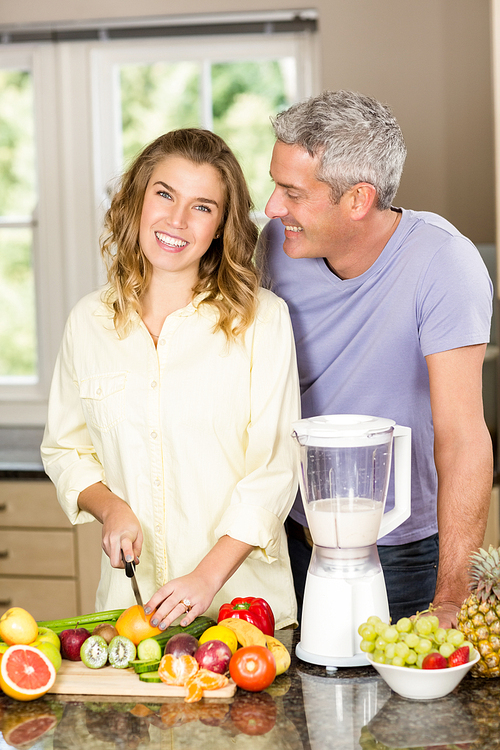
(333, 610)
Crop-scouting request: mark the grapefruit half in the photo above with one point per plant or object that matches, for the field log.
(26, 673)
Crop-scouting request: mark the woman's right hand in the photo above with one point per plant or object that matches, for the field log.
(121, 530)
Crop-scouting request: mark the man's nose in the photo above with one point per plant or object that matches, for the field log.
(275, 208)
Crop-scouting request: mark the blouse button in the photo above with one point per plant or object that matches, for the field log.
(157, 483)
(162, 342)
(153, 384)
(154, 435)
(99, 391)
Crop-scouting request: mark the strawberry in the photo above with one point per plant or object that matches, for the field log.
(434, 660)
(460, 656)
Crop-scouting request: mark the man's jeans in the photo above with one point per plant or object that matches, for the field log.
(410, 571)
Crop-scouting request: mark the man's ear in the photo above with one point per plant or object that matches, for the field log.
(363, 197)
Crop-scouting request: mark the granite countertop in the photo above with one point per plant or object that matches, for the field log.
(305, 709)
(20, 453)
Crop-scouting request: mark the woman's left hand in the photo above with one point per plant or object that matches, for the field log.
(193, 594)
(188, 594)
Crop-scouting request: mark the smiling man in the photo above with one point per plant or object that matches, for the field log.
(391, 310)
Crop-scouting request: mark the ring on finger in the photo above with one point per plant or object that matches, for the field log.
(186, 604)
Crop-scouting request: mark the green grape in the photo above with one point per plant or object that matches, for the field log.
(367, 646)
(434, 622)
(455, 637)
(440, 635)
(398, 661)
(420, 659)
(380, 627)
(390, 634)
(411, 658)
(378, 657)
(404, 625)
(423, 626)
(390, 651)
(373, 620)
(402, 650)
(367, 632)
(411, 640)
(423, 646)
(446, 649)
(380, 644)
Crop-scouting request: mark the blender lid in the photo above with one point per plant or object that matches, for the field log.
(345, 429)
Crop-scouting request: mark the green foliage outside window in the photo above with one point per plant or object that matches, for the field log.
(17, 202)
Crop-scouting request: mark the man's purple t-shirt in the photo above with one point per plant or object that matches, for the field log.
(362, 342)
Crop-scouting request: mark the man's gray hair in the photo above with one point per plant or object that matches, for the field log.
(356, 138)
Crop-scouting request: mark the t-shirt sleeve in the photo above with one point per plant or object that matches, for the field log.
(68, 456)
(262, 499)
(454, 303)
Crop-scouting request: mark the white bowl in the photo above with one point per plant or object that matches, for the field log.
(423, 684)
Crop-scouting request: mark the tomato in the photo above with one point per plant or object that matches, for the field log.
(253, 668)
(254, 714)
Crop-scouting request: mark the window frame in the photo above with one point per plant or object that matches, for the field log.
(76, 160)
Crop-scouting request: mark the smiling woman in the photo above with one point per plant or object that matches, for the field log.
(174, 391)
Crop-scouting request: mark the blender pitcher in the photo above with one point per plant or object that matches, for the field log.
(345, 463)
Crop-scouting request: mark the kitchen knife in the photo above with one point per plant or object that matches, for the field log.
(130, 572)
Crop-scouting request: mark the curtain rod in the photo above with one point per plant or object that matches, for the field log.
(178, 26)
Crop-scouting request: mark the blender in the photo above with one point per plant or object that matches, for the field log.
(345, 467)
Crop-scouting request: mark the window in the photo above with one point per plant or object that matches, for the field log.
(72, 115)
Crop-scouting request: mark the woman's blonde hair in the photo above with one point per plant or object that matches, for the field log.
(227, 273)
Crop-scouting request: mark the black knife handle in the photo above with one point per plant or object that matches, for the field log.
(129, 567)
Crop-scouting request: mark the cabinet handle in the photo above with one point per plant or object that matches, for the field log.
(4, 553)
(5, 602)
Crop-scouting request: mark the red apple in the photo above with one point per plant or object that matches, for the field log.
(434, 660)
(214, 655)
(71, 642)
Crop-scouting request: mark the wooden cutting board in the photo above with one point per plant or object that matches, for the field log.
(74, 678)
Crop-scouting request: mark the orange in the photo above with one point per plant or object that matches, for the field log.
(26, 673)
(202, 680)
(175, 670)
(220, 633)
(17, 626)
(135, 624)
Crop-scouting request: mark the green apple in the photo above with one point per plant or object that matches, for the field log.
(49, 636)
(50, 651)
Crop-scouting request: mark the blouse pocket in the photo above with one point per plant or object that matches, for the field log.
(103, 399)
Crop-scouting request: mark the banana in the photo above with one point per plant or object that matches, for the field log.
(246, 633)
(280, 652)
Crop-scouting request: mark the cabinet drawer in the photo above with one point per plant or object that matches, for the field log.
(41, 553)
(44, 599)
(31, 504)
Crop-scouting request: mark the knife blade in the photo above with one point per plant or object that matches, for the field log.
(130, 573)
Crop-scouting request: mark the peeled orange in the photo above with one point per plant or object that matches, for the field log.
(176, 670)
(134, 624)
(17, 626)
(26, 673)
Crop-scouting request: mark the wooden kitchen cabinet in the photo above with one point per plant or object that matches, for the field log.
(47, 566)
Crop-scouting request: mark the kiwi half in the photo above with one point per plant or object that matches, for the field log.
(94, 652)
(121, 652)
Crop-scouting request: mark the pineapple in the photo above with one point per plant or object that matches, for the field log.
(479, 616)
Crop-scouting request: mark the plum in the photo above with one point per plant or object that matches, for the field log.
(214, 655)
(180, 644)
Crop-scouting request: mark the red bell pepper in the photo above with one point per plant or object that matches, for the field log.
(253, 610)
